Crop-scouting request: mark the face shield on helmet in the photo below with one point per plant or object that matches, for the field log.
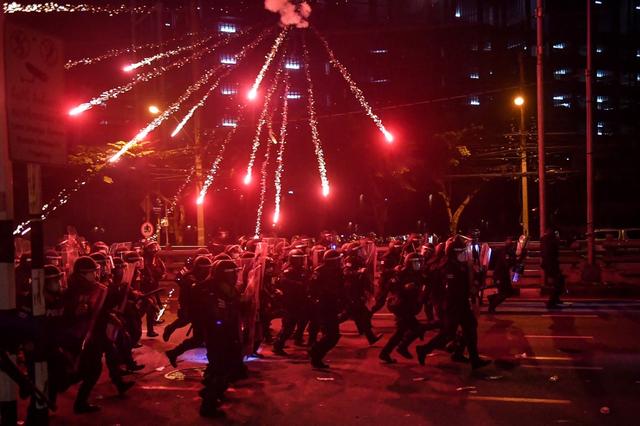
(297, 259)
(413, 261)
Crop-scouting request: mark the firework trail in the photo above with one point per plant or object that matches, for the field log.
(174, 107)
(147, 76)
(117, 52)
(51, 7)
(281, 147)
(355, 89)
(167, 54)
(313, 124)
(269, 58)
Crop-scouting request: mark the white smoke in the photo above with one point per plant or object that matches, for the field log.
(291, 13)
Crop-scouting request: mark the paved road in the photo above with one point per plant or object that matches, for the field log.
(552, 368)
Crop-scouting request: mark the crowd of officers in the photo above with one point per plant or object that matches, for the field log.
(100, 310)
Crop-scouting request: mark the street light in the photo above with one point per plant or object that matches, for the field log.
(154, 110)
(519, 102)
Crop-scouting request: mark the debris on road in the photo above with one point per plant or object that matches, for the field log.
(325, 379)
(554, 379)
(494, 377)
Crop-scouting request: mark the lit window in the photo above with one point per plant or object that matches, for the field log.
(598, 1)
(292, 64)
(229, 122)
(638, 53)
(602, 73)
(637, 77)
(166, 24)
(226, 28)
(599, 49)
(474, 100)
(228, 90)
(379, 51)
(601, 99)
(458, 12)
(379, 80)
(561, 101)
(474, 46)
(228, 59)
(561, 72)
(474, 76)
(294, 95)
(487, 46)
(560, 46)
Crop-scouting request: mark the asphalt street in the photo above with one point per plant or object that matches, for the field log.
(576, 366)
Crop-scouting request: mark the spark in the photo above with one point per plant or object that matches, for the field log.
(176, 197)
(117, 52)
(313, 124)
(239, 57)
(51, 7)
(167, 54)
(144, 77)
(269, 58)
(173, 108)
(357, 92)
(281, 147)
(215, 166)
(263, 183)
(261, 122)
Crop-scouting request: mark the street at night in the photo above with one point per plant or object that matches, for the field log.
(536, 379)
(320, 212)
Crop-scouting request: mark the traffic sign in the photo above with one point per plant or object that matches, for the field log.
(146, 229)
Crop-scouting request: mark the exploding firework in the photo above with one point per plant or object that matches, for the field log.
(263, 181)
(313, 124)
(272, 53)
(355, 89)
(176, 197)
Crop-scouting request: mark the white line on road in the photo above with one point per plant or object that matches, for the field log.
(561, 367)
(570, 316)
(168, 388)
(522, 400)
(540, 336)
(546, 358)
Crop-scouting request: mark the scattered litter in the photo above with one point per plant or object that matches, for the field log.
(522, 355)
(494, 377)
(605, 410)
(419, 379)
(325, 379)
(161, 368)
(467, 388)
(554, 379)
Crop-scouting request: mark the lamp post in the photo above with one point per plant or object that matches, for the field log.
(518, 101)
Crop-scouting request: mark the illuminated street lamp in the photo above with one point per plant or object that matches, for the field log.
(519, 102)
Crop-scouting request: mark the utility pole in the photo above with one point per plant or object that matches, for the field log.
(589, 132)
(523, 155)
(540, 101)
(195, 69)
(8, 389)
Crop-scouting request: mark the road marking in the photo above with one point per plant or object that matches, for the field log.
(522, 400)
(570, 315)
(541, 336)
(168, 388)
(561, 367)
(546, 358)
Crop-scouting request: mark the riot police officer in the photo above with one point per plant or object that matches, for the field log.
(201, 270)
(216, 313)
(458, 312)
(391, 259)
(294, 285)
(358, 286)
(405, 289)
(505, 261)
(154, 270)
(328, 298)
